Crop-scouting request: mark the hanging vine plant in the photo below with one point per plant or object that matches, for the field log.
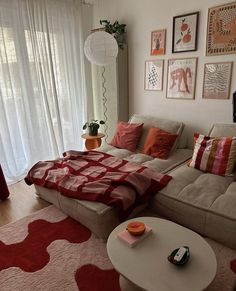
(116, 29)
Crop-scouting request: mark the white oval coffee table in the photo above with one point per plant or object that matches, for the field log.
(145, 266)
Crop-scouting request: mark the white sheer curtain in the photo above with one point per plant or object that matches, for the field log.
(42, 95)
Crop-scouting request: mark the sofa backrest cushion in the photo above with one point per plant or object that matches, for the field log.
(175, 127)
(222, 129)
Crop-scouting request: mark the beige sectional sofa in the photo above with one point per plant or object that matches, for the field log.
(203, 202)
(100, 218)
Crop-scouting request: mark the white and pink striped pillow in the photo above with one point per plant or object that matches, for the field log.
(214, 155)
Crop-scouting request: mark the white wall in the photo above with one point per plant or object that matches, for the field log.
(144, 16)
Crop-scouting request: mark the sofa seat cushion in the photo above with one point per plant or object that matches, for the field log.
(203, 202)
(138, 158)
(111, 150)
(101, 219)
(176, 158)
(98, 217)
(226, 204)
(179, 156)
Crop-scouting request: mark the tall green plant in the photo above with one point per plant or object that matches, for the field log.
(116, 29)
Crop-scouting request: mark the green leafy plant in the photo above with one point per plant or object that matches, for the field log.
(116, 29)
(93, 126)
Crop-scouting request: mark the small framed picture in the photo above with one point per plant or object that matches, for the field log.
(221, 30)
(217, 80)
(184, 35)
(158, 42)
(181, 78)
(153, 75)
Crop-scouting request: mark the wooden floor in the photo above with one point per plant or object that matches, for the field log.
(21, 202)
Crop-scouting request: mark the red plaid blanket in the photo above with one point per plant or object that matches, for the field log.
(97, 176)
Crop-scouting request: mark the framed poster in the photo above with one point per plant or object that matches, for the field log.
(217, 80)
(184, 35)
(181, 78)
(158, 42)
(221, 30)
(153, 75)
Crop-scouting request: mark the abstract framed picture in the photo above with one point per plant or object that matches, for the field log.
(221, 30)
(158, 42)
(181, 78)
(185, 30)
(217, 80)
(153, 75)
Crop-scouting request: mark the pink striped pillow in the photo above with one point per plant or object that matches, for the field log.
(214, 155)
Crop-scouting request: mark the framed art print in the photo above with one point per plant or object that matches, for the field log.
(153, 75)
(221, 30)
(184, 35)
(217, 80)
(181, 78)
(158, 42)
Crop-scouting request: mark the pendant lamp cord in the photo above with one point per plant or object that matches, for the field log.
(104, 101)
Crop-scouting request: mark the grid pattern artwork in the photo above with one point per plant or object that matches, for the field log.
(153, 75)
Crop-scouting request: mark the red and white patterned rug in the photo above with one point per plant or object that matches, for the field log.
(50, 251)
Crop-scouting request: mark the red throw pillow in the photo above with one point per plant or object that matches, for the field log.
(127, 135)
(159, 143)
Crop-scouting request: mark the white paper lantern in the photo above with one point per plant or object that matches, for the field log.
(101, 48)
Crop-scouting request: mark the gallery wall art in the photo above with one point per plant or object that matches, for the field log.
(217, 79)
(158, 42)
(221, 30)
(181, 78)
(182, 72)
(153, 75)
(184, 35)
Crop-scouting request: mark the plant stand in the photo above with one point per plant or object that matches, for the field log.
(92, 141)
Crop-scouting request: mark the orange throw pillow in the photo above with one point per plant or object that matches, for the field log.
(159, 143)
(127, 135)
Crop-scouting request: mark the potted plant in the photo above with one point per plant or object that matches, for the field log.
(93, 126)
(116, 29)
